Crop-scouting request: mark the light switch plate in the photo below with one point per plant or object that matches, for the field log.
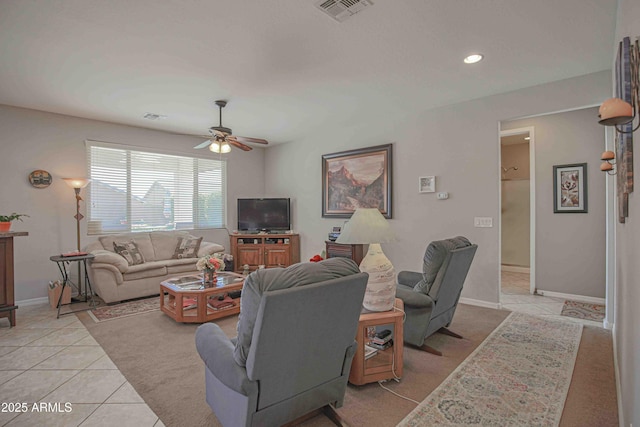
(483, 221)
(443, 195)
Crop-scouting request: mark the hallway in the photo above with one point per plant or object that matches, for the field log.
(515, 296)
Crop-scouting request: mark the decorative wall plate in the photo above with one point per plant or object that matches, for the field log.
(40, 179)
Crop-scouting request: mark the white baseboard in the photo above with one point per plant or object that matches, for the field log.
(581, 298)
(33, 301)
(515, 269)
(481, 303)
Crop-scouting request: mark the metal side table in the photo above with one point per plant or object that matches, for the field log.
(61, 260)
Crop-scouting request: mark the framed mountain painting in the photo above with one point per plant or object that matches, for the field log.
(358, 178)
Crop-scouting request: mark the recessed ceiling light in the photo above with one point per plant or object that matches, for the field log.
(472, 59)
(527, 138)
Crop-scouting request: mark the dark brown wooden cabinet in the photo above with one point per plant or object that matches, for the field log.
(334, 250)
(7, 299)
(270, 250)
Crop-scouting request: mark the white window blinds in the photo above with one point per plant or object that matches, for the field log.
(134, 190)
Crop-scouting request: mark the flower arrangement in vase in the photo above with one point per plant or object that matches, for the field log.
(209, 265)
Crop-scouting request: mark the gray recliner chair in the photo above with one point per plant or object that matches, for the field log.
(295, 344)
(431, 297)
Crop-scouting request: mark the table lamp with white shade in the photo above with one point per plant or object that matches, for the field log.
(368, 226)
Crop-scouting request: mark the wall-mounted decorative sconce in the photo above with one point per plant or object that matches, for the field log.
(615, 111)
(608, 158)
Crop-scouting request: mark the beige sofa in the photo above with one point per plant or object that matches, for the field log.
(113, 279)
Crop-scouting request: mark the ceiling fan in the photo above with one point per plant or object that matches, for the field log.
(221, 138)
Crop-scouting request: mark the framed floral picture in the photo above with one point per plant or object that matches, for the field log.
(570, 188)
(356, 179)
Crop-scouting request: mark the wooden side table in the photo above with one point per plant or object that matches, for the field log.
(385, 364)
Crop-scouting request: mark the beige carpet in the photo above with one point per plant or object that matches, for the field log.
(158, 357)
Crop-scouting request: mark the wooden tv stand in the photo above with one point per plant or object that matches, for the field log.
(270, 250)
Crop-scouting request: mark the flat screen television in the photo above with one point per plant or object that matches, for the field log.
(270, 215)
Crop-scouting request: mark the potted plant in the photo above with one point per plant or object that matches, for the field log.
(5, 220)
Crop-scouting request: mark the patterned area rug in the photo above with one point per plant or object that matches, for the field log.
(519, 376)
(583, 310)
(126, 309)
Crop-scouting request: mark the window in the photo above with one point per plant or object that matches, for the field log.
(134, 190)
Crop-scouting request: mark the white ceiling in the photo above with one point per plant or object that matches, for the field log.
(286, 68)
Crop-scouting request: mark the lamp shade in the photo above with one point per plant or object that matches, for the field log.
(366, 226)
(608, 155)
(606, 167)
(77, 182)
(615, 111)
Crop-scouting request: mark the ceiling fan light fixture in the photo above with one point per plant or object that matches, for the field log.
(215, 147)
(220, 138)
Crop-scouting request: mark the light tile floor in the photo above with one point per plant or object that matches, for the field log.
(52, 361)
(56, 361)
(515, 296)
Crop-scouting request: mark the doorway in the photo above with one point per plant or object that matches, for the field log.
(517, 213)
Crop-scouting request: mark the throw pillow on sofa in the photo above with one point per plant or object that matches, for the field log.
(187, 248)
(129, 251)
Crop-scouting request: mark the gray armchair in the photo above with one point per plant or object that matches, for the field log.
(431, 297)
(294, 347)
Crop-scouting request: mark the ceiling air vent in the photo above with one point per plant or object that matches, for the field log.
(340, 10)
(153, 116)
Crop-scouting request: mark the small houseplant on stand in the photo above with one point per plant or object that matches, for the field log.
(5, 221)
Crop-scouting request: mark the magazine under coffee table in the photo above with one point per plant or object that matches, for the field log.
(189, 300)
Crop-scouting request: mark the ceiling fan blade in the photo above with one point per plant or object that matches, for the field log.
(239, 145)
(203, 144)
(253, 140)
(187, 134)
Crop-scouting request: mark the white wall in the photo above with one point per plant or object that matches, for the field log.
(33, 140)
(458, 143)
(516, 209)
(516, 212)
(570, 250)
(627, 299)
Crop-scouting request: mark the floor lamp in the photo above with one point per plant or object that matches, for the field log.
(368, 226)
(77, 184)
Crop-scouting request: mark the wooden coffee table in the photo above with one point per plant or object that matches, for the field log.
(187, 298)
